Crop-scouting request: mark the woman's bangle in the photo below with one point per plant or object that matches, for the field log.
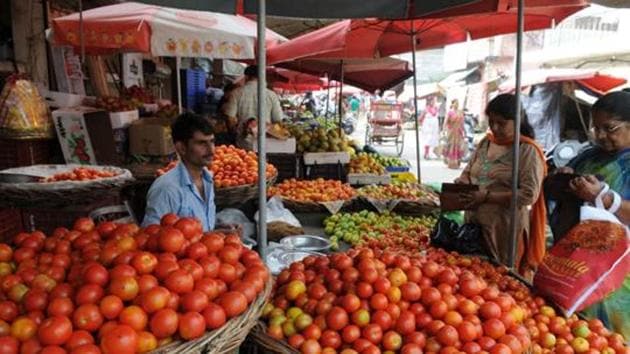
(598, 200)
(616, 204)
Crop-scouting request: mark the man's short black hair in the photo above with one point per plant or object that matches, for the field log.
(187, 124)
(251, 71)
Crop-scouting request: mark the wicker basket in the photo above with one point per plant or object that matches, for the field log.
(415, 208)
(259, 336)
(59, 194)
(237, 196)
(312, 207)
(227, 338)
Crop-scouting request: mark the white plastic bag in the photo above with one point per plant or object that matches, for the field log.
(277, 212)
(235, 216)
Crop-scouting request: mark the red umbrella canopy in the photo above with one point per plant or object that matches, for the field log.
(294, 81)
(373, 38)
(322, 8)
(489, 6)
(367, 74)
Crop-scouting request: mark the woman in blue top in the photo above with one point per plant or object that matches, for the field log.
(607, 162)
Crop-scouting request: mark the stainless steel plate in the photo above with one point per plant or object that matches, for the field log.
(305, 243)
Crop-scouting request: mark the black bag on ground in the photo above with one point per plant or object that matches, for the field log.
(465, 239)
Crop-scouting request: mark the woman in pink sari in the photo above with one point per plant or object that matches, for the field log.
(455, 136)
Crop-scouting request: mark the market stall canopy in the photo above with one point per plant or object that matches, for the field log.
(289, 80)
(161, 31)
(323, 8)
(532, 7)
(590, 79)
(371, 38)
(367, 74)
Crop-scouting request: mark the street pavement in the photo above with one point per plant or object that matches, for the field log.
(432, 171)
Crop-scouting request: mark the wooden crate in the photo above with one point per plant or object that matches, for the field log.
(10, 224)
(288, 165)
(19, 153)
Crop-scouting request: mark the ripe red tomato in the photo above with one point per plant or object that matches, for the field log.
(125, 287)
(61, 307)
(35, 300)
(351, 333)
(372, 333)
(121, 339)
(79, 338)
(191, 325)
(330, 339)
(406, 323)
(233, 302)
(337, 319)
(494, 328)
(164, 323)
(180, 282)
(134, 317)
(197, 251)
(55, 330)
(169, 219)
(89, 294)
(155, 299)
(214, 242)
(144, 262)
(147, 282)
(189, 227)
(214, 316)
(87, 317)
(194, 301)
(9, 345)
(171, 239)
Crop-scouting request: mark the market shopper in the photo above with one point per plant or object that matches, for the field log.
(430, 127)
(608, 159)
(455, 136)
(491, 169)
(242, 104)
(188, 189)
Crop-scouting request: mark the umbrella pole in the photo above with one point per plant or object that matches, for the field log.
(341, 96)
(415, 97)
(327, 95)
(178, 65)
(262, 90)
(81, 35)
(517, 134)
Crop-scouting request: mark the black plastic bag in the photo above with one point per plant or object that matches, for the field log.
(465, 239)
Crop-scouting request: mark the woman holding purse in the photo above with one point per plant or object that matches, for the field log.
(491, 169)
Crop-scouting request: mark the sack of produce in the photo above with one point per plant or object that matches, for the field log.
(589, 263)
(23, 112)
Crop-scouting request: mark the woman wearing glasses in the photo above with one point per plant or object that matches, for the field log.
(604, 181)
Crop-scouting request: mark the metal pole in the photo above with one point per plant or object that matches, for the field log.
(341, 96)
(178, 68)
(415, 96)
(517, 136)
(327, 95)
(262, 91)
(81, 36)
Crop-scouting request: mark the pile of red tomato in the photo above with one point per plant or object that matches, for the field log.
(122, 289)
(373, 301)
(232, 167)
(80, 174)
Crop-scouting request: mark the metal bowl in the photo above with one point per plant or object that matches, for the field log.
(305, 243)
(281, 258)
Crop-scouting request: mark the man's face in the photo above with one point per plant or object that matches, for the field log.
(198, 151)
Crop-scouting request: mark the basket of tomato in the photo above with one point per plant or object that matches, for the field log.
(119, 288)
(53, 186)
(313, 196)
(235, 175)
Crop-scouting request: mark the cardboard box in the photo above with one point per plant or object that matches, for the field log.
(326, 158)
(86, 136)
(278, 146)
(151, 136)
(123, 119)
